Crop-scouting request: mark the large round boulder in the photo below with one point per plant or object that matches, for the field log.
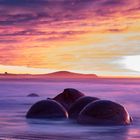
(104, 112)
(47, 109)
(68, 96)
(79, 104)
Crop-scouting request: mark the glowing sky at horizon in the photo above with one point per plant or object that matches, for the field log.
(132, 62)
(87, 36)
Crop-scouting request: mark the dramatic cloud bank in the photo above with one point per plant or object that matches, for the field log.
(89, 36)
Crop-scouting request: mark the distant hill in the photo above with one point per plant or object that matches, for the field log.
(67, 74)
(58, 74)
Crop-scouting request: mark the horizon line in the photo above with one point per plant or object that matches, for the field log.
(98, 76)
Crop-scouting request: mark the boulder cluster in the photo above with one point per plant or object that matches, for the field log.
(73, 104)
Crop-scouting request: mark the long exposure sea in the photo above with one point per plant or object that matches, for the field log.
(14, 104)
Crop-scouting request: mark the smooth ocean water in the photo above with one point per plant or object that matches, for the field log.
(14, 104)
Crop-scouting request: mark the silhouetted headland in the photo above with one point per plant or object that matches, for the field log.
(54, 75)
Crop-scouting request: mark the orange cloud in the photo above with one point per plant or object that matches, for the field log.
(85, 36)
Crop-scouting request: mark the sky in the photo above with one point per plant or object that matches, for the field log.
(84, 36)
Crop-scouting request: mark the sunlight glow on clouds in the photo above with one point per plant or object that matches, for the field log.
(85, 36)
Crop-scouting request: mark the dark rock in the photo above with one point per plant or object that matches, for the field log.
(47, 109)
(68, 96)
(104, 112)
(79, 104)
(33, 95)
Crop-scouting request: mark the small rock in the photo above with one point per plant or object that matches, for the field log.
(33, 95)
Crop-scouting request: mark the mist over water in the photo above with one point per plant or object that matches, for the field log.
(14, 104)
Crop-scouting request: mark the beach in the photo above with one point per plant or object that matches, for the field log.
(14, 105)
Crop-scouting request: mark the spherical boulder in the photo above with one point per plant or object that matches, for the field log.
(79, 104)
(68, 96)
(47, 109)
(104, 112)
